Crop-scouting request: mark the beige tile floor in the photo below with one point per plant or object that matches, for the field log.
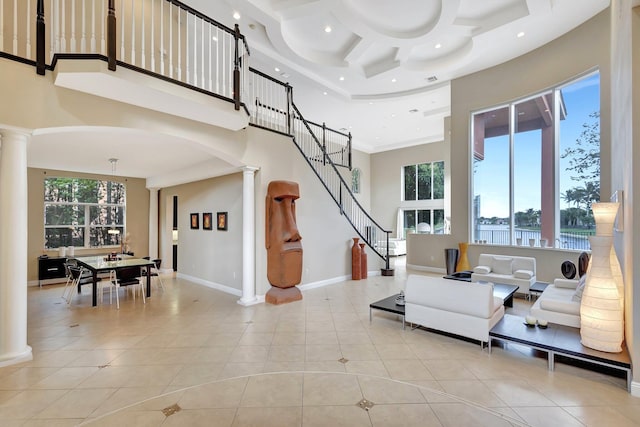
(307, 363)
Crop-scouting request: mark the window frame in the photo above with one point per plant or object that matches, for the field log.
(86, 207)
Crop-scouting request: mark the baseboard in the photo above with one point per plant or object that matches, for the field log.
(429, 269)
(213, 285)
(321, 283)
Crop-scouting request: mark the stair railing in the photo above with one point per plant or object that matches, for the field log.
(273, 109)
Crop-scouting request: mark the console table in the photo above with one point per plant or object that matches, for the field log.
(557, 339)
(51, 268)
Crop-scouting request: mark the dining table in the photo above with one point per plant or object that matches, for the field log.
(102, 263)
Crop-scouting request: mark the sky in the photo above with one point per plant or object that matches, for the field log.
(492, 174)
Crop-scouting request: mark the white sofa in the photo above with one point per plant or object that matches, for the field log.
(461, 308)
(556, 305)
(506, 269)
(396, 246)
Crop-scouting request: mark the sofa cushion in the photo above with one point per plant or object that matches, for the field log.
(559, 305)
(565, 283)
(482, 269)
(577, 295)
(502, 265)
(523, 274)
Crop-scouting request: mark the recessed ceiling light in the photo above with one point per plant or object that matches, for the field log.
(520, 34)
(285, 75)
(214, 38)
(324, 93)
(327, 29)
(236, 15)
(413, 110)
(277, 69)
(438, 46)
(393, 80)
(370, 102)
(393, 114)
(341, 78)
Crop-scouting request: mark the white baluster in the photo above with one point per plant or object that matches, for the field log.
(123, 55)
(15, 27)
(217, 60)
(28, 47)
(170, 41)
(57, 26)
(210, 53)
(93, 26)
(142, 40)
(202, 44)
(186, 50)
(52, 36)
(162, 53)
(103, 29)
(72, 41)
(133, 33)
(83, 38)
(1, 25)
(153, 38)
(179, 48)
(223, 65)
(63, 28)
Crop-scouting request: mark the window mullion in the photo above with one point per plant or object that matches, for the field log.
(512, 122)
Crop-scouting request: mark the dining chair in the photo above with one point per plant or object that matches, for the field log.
(130, 276)
(79, 276)
(155, 271)
(67, 285)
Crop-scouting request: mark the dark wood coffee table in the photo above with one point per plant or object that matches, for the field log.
(501, 290)
(538, 288)
(389, 305)
(557, 340)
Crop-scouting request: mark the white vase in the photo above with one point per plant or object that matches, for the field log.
(519, 241)
(601, 309)
(62, 251)
(71, 251)
(532, 242)
(543, 243)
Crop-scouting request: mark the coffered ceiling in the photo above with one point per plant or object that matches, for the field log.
(381, 69)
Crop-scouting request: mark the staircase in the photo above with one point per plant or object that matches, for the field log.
(271, 107)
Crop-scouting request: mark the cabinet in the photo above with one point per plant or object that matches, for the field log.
(51, 268)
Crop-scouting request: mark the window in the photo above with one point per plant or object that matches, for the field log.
(422, 207)
(536, 168)
(80, 212)
(424, 181)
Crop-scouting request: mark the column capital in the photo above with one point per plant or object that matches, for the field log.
(250, 169)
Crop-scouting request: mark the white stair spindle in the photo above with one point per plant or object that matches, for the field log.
(52, 36)
(123, 55)
(153, 26)
(15, 27)
(133, 33)
(143, 61)
(170, 41)
(56, 26)
(179, 47)
(202, 44)
(1, 25)
(103, 30)
(72, 40)
(187, 51)
(162, 52)
(217, 75)
(28, 46)
(210, 53)
(83, 39)
(93, 26)
(63, 28)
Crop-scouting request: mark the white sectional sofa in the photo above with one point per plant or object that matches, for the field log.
(396, 246)
(510, 270)
(556, 304)
(461, 308)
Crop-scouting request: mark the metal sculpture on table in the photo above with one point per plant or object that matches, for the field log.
(283, 243)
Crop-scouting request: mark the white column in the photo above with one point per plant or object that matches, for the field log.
(13, 248)
(248, 237)
(153, 223)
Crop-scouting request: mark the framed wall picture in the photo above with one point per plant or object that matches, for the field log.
(195, 221)
(222, 221)
(207, 221)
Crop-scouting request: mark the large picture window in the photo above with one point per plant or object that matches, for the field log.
(422, 204)
(536, 168)
(80, 212)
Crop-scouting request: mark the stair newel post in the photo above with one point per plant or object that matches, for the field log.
(111, 36)
(387, 270)
(349, 152)
(236, 69)
(40, 38)
(324, 144)
(289, 101)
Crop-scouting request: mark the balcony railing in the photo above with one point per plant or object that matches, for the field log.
(162, 37)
